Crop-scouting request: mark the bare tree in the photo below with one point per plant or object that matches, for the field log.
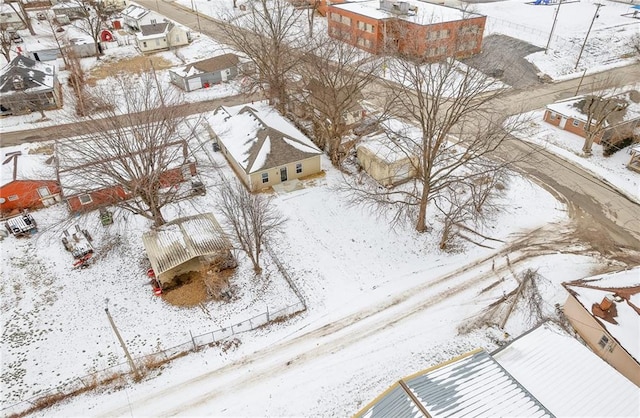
(5, 42)
(458, 131)
(252, 218)
(335, 76)
(272, 35)
(600, 112)
(634, 43)
(18, 7)
(92, 20)
(138, 152)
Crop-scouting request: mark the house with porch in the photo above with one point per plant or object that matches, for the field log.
(27, 181)
(27, 85)
(161, 36)
(618, 115)
(205, 73)
(605, 311)
(412, 28)
(262, 147)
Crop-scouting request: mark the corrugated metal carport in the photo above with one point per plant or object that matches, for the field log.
(182, 245)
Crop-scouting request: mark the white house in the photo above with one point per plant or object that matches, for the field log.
(9, 17)
(159, 36)
(262, 147)
(135, 16)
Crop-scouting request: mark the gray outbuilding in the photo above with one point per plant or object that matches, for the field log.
(205, 73)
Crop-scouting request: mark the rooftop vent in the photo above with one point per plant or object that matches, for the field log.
(396, 7)
(18, 82)
(606, 303)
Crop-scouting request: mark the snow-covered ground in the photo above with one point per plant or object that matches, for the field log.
(347, 262)
(343, 259)
(612, 169)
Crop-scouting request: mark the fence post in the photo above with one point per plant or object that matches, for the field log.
(268, 313)
(213, 337)
(195, 347)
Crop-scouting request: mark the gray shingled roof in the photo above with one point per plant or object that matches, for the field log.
(35, 75)
(154, 29)
(220, 62)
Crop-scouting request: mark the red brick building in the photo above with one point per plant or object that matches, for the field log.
(27, 183)
(413, 28)
(620, 115)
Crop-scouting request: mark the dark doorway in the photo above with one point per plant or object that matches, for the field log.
(283, 174)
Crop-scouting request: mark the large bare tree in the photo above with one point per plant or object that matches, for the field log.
(335, 80)
(272, 35)
(458, 131)
(5, 42)
(18, 7)
(251, 217)
(600, 112)
(91, 20)
(138, 150)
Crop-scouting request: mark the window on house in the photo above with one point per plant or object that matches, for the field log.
(299, 168)
(227, 71)
(85, 199)
(144, 44)
(603, 341)
(552, 115)
(575, 123)
(265, 177)
(153, 21)
(43, 191)
(12, 198)
(157, 42)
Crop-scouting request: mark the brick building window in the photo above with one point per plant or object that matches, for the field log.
(12, 198)
(444, 33)
(575, 123)
(366, 43)
(85, 199)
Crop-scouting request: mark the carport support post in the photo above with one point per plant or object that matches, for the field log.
(122, 343)
(195, 347)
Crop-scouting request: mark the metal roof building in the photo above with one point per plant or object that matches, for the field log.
(178, 246)
(471, 385)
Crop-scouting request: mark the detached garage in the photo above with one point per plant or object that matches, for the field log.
(202, 74)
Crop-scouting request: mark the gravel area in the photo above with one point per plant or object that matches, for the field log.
(504, 57)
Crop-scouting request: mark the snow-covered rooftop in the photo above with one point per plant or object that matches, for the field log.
(34, 75)
(208, 65)
(257, 137)
(384, 143)
(572, 107)
(183, 239)
(473, 385)
(421, 13)
(134, 12)
(567, 377)
(18, 164)
(591, 291)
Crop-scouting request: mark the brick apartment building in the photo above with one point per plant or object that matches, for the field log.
(413, 28)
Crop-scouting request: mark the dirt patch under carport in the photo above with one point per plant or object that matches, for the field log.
(504, 58)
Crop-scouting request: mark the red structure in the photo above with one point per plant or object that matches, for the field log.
(418, 29)
(25, 184)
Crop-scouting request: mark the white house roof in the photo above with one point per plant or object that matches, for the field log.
(424, 14)
(591, 291)
(472, 385)
(134, 12)
(183, 239)
(258, 138)
(17, 164)
(569, 109)
(567, 377)
(386, 144)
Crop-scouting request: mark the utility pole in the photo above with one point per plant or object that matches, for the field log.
(155, 77)
(595, 16)
(195, 9)
(122, 343)
(553, 27)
